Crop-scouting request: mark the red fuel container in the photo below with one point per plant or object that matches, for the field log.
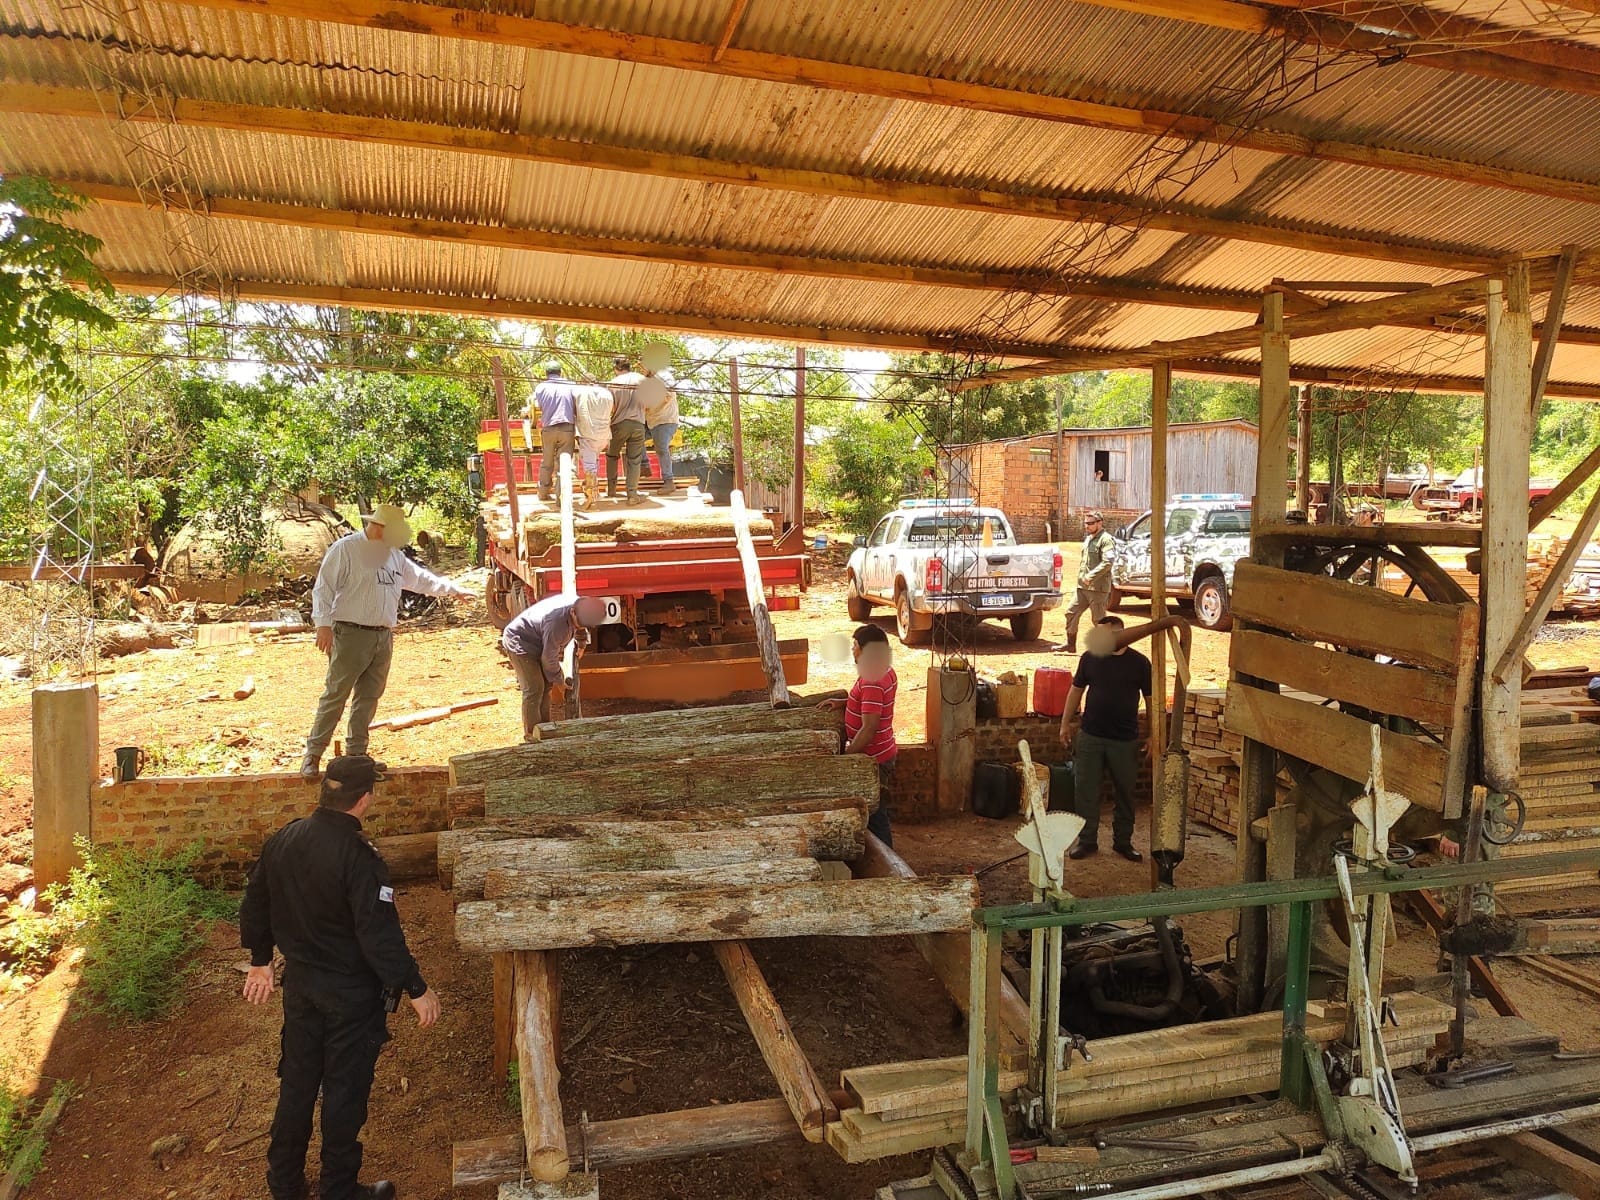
(1050, 688)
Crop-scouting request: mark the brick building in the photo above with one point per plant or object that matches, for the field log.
(1105, 469)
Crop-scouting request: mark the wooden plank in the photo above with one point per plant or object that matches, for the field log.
(597, 753)
(1320, 609)
(538, 1074)
(508, 884)
(711, 848)
(727, 784)
(1459, 734)
(1395, 690)
(858, 908)
(629, 1141)
(807, 1098)
(1337, 742)
(1550, 331)
(886, 1139)
(899, 1086)
(1569, 1172)
(756, 597)
(1562, 973)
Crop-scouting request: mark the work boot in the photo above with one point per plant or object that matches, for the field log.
(1129, 853)
(589, 490)
(1082, 850)
(311, 769)
(382, 1190)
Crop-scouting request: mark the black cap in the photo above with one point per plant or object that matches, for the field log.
(351, 775)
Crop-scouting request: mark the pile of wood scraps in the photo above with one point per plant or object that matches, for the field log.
(911, 1106)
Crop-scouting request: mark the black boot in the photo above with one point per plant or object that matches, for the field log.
(382, 1190)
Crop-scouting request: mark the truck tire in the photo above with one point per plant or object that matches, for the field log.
(497, 600)
(911, 633)
(1114, 600)
(1211, 607)
(1026, 627)
(857, 605)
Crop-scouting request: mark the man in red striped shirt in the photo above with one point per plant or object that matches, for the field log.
(869, 717)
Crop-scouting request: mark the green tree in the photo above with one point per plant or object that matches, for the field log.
(921, 384)
(870, 461)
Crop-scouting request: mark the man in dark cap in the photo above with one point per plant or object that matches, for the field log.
(1094, 579)
(320, 893)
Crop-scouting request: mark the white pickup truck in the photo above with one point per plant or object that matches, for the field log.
(933, 558)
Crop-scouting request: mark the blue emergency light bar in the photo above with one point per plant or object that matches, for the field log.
(926, 503)
(1193, 496)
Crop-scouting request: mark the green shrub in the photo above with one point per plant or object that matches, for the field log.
(21, 1146)
(138, 916)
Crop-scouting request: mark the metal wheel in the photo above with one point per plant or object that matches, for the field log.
(1211, 607)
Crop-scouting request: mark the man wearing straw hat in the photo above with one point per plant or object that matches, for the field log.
(354, 606)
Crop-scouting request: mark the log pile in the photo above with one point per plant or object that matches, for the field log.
(901, 1108)
(681, 518)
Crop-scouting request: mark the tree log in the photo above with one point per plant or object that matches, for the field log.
(709, 783)
(690, 723)
(601, 852)
(832, 835)
(507, 884)
(504, 1033)
(630, 1140)
(858, 908)
(599, 753)
(464, 803)
(410, 855)
(797, 1080)
(949, 954)
(538, 1075)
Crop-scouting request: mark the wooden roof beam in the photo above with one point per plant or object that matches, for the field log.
(419, 18)
(416, 135)
(499, 308)
(1376, 380)
(1422, 36)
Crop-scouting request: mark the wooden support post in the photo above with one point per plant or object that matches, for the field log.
(66, 753)
(1302, 451)
(952, 712)
(1550, 330)
(1258, 768)
(1060, 531)
(504, 1031)
(1282, 845)
(505, 450)
(1503, 582)
(737, 423)
(755, 594)
(538, 1072)
(807, 1098)
(1160, 393)
(569, 559)
(1511, 659)
(799, 528)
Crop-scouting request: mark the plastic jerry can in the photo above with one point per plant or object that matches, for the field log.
(1062, 792)
(1050, 688)
(994, 790)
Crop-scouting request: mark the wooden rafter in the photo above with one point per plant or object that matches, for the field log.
(1550, 333)
(447, 21)
(258, 119)
(729, 28)
(1421, 36)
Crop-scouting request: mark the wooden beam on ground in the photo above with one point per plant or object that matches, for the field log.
(756, 596)
(448, 21)
(504, 1031)
(948, 953)
(855, 908)
(1568, 1171)
(1433, 916)
(1576, 478)
(511, 883)
(740, 785)
(629, 1141)
(1549, 591)
(1550, 331)
(807, 1098)
(538, 1071)
(1122, 212)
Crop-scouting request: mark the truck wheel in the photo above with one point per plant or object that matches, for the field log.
(911, 633)
(1211, 608)
(497, 600)
(857, 605)
(1026, 627)
(1114, 600)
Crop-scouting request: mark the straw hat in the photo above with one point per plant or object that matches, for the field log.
(396, 529)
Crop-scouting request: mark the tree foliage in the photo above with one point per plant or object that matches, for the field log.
(871, 460)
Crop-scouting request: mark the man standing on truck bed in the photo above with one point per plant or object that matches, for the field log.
(1094, 579)
(627, 430)
(535, 639)
(594, 432)
(660, 404)
(557, 399)
(1106, 736)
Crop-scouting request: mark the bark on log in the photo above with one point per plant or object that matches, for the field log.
(710, 783)
(464, 803)
(410, 855)
(832, 835)
(505, 884)
(538, 1075)
(599, 753)
(713, 848)
(690, 723)
(806, 1097)
(631, 1140)
(504, 1033)
(857, 908)
(949, 954)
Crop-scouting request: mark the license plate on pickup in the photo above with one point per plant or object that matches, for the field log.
(996, 600)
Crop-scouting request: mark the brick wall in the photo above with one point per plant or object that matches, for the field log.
(1018, 478)
(914, 795)
(997, 740)
(1115, 517)
(231, 815)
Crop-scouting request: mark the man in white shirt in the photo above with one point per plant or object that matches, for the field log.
(354, 606)
(594, 432)
(660, 405)
(627, 430)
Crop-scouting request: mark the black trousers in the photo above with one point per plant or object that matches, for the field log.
(331, 1039)
(878, 822)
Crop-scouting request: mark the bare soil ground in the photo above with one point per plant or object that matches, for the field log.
(644, 1030)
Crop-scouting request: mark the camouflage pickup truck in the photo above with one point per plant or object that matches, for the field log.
(1206, 534)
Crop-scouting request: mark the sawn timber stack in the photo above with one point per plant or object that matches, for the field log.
(598, 753)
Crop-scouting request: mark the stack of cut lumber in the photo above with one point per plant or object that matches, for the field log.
(682, 517)
(906, 1107)
(1544, 551)
(1559, 781)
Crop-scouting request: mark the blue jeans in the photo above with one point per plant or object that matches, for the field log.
(661, 435)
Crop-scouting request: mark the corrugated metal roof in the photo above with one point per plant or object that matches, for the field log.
(1048, 47)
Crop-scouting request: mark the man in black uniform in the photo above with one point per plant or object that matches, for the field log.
(1107, 735)
(321, 894)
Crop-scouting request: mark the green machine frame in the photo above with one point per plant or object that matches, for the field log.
(1302, 1078)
